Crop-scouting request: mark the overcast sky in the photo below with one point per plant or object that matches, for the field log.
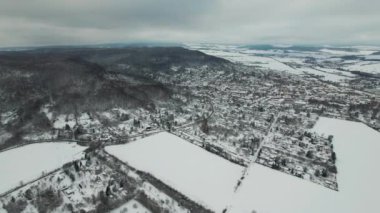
(48, 22)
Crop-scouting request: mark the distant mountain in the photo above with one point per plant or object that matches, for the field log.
(285, 48)
(105, 45)
(300, 48)
(352, 57)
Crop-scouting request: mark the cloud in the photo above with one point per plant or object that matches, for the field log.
(46, 22)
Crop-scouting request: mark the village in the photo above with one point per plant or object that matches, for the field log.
(268, 114)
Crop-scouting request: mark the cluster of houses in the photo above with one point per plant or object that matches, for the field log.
(230, 114)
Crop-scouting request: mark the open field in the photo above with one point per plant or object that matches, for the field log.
(131, 206)
(198, 174)
(356, 145)
(29, 162)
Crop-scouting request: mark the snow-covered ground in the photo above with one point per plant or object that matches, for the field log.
(29, 162)
(292, 61)
(247, 58)
(4, 135)
(198, 174)
(63, 120)
(268, 191)
(369, 67)
(167, 202)
(359, 51)
(131, 206)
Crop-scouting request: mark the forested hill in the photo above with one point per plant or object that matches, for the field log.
(74, 80)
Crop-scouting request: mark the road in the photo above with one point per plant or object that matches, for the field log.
(253, 159)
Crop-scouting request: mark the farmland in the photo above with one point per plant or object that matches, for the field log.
(200, 175)
(30, 162)
(266, 190)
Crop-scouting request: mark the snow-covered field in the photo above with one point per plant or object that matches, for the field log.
(29, 162)
(360, 51)
(131, 206)
(268, 191)
(369, 67)
(294, 61)
(238, 56)
(198, 174)
(169, 203)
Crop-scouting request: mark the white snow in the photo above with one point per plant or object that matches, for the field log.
(61, 122)
(198, 174)
(4, 136)
(337, 52)
(359, 51)
(131, 206)
(45, 109)
(335, 77)
(2, 210)
(7, 117)
(39, 136)
(252, 60)
(372, 57)
(268, 191)
(165, 201)
(30, 209)
(85, 120)
(369, 67)
(269, 60)
(29, 162)
(293, 62)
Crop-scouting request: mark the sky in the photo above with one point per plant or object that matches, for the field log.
(72, 22)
